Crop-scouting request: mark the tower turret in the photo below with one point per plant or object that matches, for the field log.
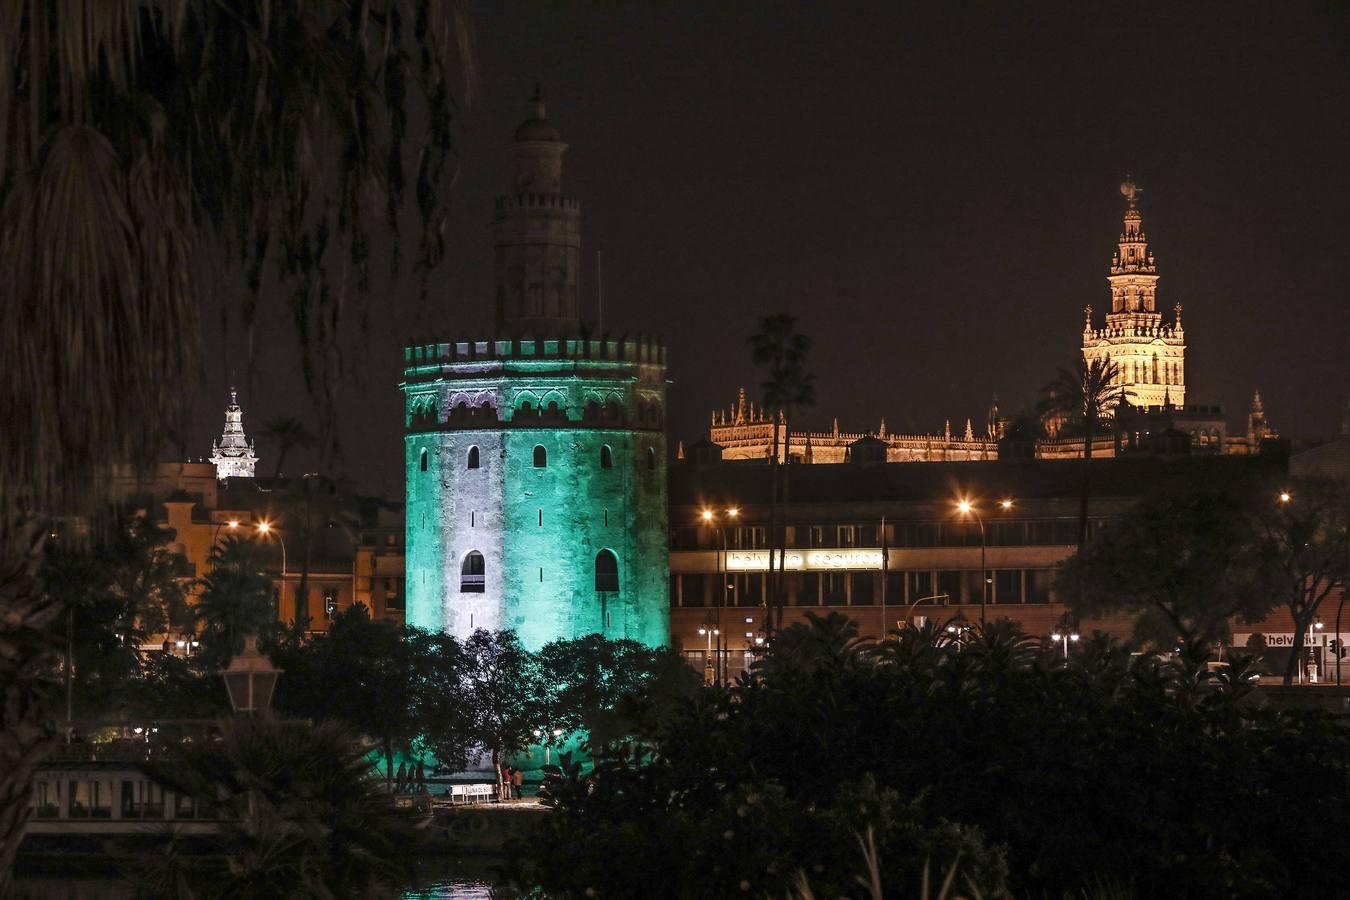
(538, 235)
(233, 454)
(1149, 353)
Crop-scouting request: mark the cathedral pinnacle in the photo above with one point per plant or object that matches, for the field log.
(233, 454)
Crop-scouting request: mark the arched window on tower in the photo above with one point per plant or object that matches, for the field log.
(422, 464)
(473, 458)
(540, 457)
(651, 459)
(606, 571)
(606, 457)
(472, 574)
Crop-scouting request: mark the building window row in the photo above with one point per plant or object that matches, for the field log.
(923, 587)
(936, 533)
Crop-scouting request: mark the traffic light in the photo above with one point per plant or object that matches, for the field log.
(1337, 647)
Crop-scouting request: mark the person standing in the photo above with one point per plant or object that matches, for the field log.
(518, 779)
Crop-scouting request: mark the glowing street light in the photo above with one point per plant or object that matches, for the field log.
(266, 528)
(708, 657)
(547, 737)
(232, 524)
(710, 517)
(1064, 638)
(966, 508)
(1285, 496)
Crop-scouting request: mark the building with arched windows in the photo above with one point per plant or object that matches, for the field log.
(536, 470)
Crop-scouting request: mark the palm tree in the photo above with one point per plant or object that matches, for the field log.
(288, 433)
(134, 135)
(236, 599)
(788, 386)
(1084, 397)
(301, 816)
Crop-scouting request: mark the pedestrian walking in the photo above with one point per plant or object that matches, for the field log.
(518, 779)
(400, 779)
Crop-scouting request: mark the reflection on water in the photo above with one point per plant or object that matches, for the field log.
(440, 879)
(458, 889)
(466, 878)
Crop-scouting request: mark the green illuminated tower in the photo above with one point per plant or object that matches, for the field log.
(536, 492)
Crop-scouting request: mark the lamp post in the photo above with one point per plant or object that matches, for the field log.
(250, 679)
(1312, 634)
(1064, 638)
(904, 622)
(266, 528)
(709, 517)
(708, 657)
(232, 524)
(1340, 641)
(968, 509)
(547, 737)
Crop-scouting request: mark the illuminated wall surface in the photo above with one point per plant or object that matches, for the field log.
(596, 408)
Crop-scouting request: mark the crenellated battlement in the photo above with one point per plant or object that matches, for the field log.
(538, 201)
(641, 350)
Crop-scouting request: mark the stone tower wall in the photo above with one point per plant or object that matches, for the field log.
(539, 528)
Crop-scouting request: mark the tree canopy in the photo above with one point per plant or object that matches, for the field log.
(1117, 773)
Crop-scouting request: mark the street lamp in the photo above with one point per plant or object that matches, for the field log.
(232, 524)
(250, 680)
(967, 509)
(547, 736)
(1064, 638)
(708, 657)
(266, 528)
(1316, 630)
(709, 517)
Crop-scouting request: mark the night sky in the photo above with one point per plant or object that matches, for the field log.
(931, 188)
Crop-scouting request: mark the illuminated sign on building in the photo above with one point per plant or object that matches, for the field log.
(806, 560)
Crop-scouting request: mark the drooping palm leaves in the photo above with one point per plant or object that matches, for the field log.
(288, 434)
(236, 598)
(1085, 396)
(134, 135)
(788, 386)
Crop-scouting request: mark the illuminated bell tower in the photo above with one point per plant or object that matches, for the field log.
(1149, 353)
(536, 461)
(233, 454)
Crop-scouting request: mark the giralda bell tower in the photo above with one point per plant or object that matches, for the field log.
(1149, 352)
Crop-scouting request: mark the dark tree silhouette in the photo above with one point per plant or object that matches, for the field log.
(132, 137)
(788, 386)
(1188, 559)
(288, 434)
(1304, 550)
(1083, 397)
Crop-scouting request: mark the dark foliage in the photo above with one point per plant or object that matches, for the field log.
(1115, 769)
(302, 819)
